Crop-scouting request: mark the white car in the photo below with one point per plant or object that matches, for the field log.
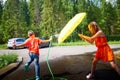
(14, 41)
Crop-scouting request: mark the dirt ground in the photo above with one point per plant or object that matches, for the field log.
(102, 72)
(67, 63)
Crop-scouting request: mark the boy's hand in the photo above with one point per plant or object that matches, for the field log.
(14, 46)
(50, 39)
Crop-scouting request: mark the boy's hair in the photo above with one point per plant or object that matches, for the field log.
(30, 33)
(94, 27)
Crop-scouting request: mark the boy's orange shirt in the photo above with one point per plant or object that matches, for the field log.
(33, 44)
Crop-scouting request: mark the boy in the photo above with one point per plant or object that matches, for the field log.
(33, 46)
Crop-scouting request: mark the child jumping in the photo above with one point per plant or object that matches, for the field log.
(104, 52)
(33, 46)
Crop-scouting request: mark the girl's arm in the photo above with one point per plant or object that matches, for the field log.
(86, 38)
(91, 39)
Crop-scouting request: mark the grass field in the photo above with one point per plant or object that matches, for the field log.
(4, 46)
(80, 43)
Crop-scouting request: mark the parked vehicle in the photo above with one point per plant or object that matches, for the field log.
(15, 41)
(43, 45)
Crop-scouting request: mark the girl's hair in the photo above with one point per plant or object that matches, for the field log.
(93, 27)
(30, 33)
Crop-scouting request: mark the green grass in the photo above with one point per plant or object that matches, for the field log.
(4, 46)
(80, 43)
(113, 42)
(70, 43)
(6, 59)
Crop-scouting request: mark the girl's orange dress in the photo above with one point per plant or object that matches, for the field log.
(104, 52)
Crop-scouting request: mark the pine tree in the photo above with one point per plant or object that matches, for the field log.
(24, 11)
(47, 18)
(1, 12)
(13, 19)
(117, 29)
(110, 18)
(64, 12)
(55, 15)
(35, 15)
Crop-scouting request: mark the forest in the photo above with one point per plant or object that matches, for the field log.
(48, 17)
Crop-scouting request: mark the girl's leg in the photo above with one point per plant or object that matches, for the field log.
(93, 67)
(94, 62)
(114, 66)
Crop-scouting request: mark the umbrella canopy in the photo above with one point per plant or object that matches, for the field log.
(70, 27)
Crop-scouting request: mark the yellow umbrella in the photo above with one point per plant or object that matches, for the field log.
(70, 26)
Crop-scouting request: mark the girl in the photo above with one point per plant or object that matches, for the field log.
(103, 52)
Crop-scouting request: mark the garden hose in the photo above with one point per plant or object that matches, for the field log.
(48, 62)
(53, 78)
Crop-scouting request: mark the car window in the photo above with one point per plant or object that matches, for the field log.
(42, 38)
(20, 40)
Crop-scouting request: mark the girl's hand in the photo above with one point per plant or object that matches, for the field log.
(82, 36)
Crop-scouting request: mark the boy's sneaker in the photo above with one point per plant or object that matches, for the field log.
(89, 76)
(37, 78)
(26, 67)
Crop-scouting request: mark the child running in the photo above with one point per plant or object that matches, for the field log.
(33, 46)
(104, 52)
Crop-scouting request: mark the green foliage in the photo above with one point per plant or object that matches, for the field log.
(1, 35)
(113, 37)
(14, 19)
(1, 11)
(3, 46)
(80, 43)
(117, 26)
(35, 8)
(6, 59)
(48, 17)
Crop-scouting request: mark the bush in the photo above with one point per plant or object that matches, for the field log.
(113, 37)
(3, 46)
(6, 59)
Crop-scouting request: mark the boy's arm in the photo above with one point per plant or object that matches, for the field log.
(45, 41)
(18, 45)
